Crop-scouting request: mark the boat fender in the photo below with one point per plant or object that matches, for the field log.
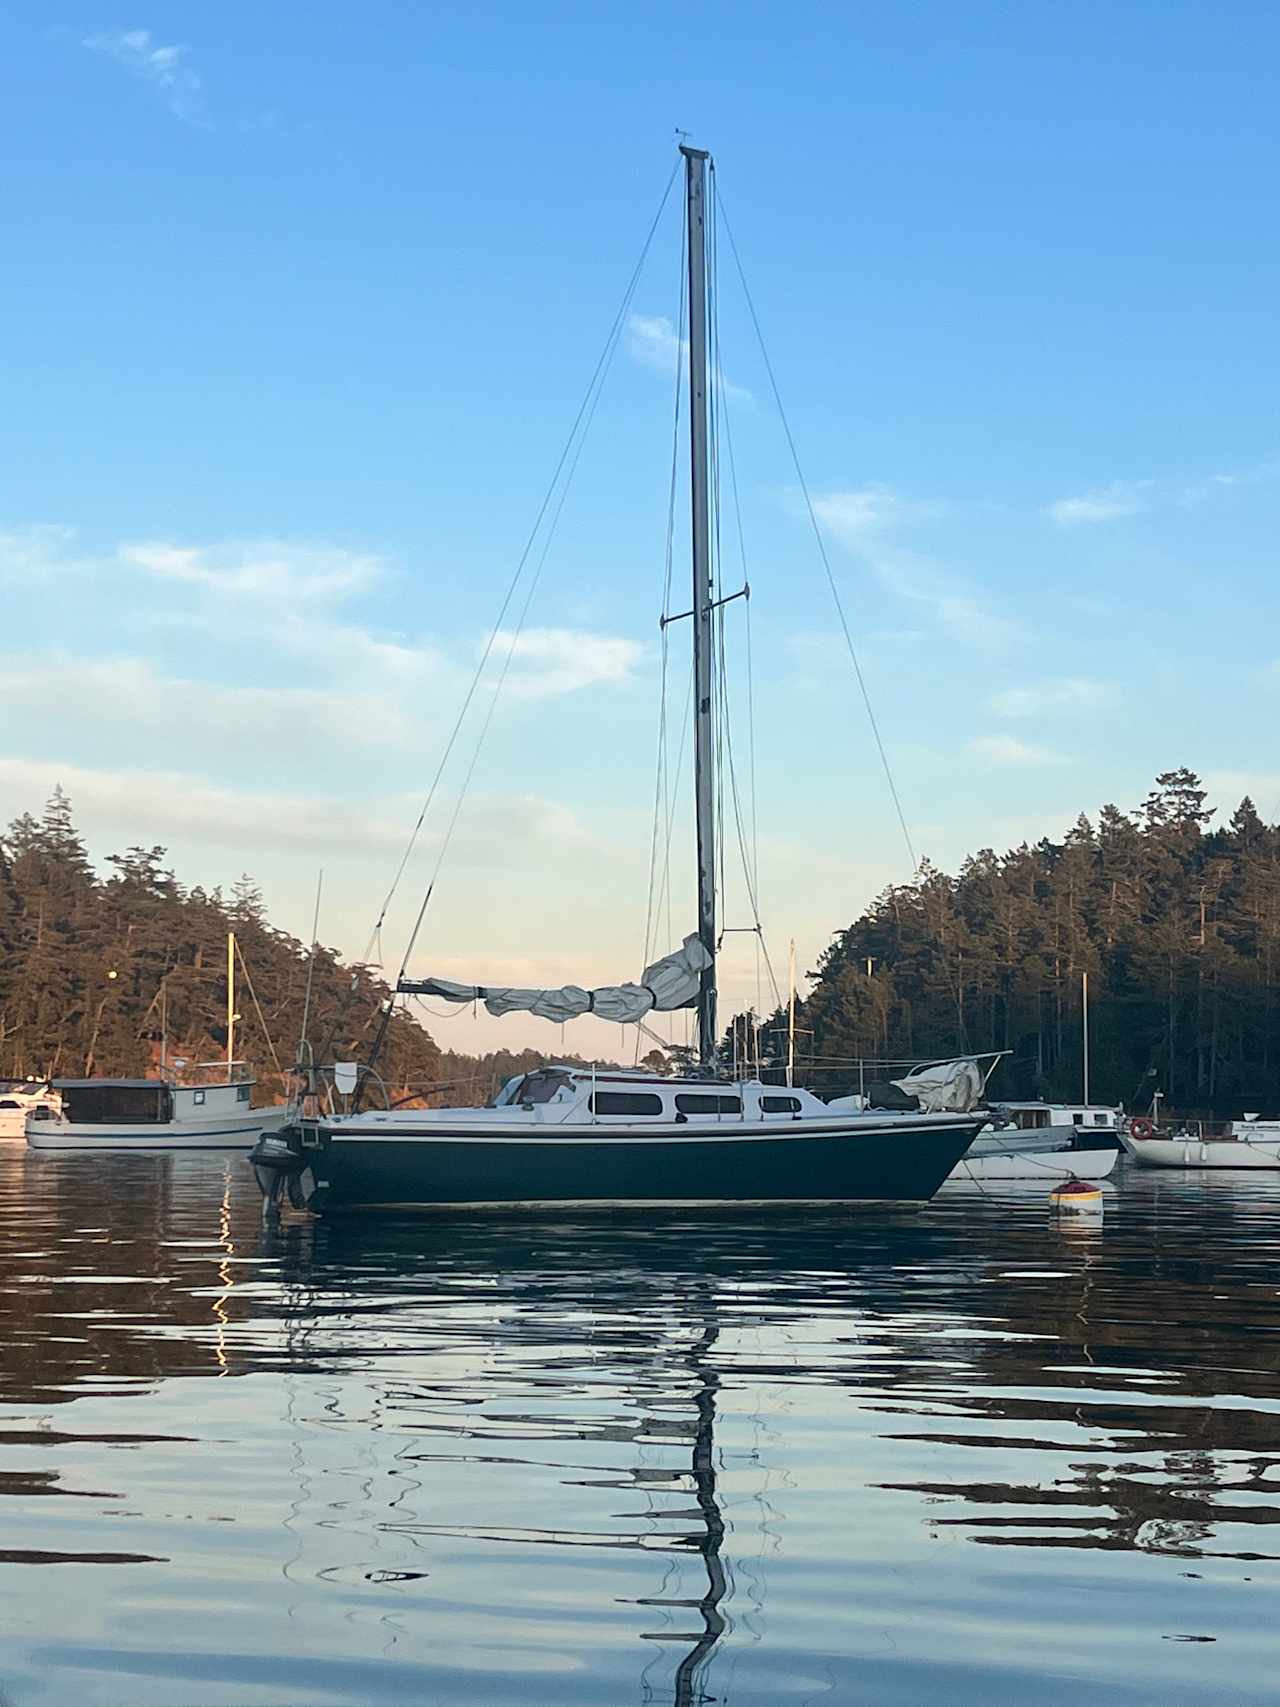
(1141, 1127)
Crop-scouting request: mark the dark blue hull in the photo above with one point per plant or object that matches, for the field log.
(889, 1161)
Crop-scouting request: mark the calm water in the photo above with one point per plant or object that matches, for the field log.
(956, 1453)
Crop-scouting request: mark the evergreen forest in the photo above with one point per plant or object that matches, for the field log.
(1175, 921)
(98, 974)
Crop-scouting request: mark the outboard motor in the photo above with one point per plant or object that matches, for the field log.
(282, 1167)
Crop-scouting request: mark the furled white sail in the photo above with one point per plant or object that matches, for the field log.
(948, 1087)
(671, 982)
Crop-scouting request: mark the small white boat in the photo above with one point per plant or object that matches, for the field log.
(1249, 1144)
(152, 1114)
(18, 1099)
(1041, 1140)
(1083, 1125)
(1004, 1153)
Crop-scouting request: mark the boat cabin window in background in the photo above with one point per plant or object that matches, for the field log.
(1077, 1119)
(1028, 1119)
(625, 1102)
(138, 1104)
(703, 1102)
(779, 1105)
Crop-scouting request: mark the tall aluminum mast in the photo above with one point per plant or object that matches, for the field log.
(695, 160)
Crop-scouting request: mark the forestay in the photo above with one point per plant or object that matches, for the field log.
(671, 982)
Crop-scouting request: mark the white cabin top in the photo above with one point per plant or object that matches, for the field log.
(618, 1094)
(1029, 1116)
(92, 1102)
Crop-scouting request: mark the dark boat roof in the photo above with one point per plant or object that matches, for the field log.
(109, 1084)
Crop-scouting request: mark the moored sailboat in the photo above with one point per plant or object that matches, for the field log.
(567, 1135)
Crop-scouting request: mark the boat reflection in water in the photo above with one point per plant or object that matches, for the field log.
(968, 1450)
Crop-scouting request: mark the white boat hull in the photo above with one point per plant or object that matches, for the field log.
(1049, 1165)
(237, 1129)
(1203, 1153)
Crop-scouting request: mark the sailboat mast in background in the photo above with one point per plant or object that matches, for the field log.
(232, 1016)
(695, 160)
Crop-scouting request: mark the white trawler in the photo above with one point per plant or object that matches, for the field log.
(205, 1105)
(564, 1135)
(213, 1111)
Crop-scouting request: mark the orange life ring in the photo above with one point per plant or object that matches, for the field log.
(1141, 1127)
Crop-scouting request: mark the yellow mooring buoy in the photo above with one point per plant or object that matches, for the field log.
(1075, 1196)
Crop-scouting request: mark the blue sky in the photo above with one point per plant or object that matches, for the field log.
(298, 305)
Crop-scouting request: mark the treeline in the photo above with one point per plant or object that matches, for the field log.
(96, 971)
(1177, 925)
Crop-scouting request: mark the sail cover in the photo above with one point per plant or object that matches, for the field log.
(671, 982)
(947, 1087)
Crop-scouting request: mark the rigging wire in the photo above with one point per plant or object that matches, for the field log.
(662, 782)
(753, 878)
(751, 711)
(822, 549)
(748, 852)
(584, 407)
(603, 374)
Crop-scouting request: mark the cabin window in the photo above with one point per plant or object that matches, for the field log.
(130, 1104)
(1101, 1120)
(706, 1102)
(779, 1105)
(242, 1093)
(625, 1102)
(1077, 1119)
(8, 1102)
(197, 1096)
(541, 1087)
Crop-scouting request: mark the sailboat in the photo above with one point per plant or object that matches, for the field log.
(572, 1136)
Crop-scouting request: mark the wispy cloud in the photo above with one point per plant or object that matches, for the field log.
(548, 661)
(165, 68)
(269, 571)
(172, 803)
(1066, 693)
(963, 614)
(1007, 750)
(281, 610)
(652, 341)
(1107, 504)
(852, 517)
(1215, 485)
(863, 519)
(126, 699)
